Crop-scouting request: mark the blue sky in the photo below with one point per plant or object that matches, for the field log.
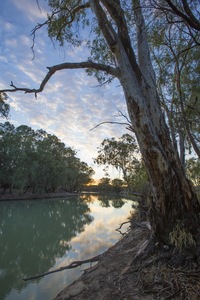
(71, 103)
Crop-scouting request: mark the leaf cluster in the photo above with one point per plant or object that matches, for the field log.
(4, 107)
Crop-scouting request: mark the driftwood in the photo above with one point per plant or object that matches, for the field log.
(74, 264)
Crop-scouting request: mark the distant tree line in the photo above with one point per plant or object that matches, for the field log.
(33, 160)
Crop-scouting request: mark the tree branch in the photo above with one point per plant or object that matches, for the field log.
(191, 21)
(110, 122)
(70, 17)
(82, 65)
(73, 265)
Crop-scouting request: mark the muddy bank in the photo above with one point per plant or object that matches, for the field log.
(120, 274)
(108, 278)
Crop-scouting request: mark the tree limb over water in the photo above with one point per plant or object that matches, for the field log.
(73, 265)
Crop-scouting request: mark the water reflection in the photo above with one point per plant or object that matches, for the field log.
(38, 235)
(31, 236)
(105, 200)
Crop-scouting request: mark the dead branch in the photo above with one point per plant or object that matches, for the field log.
(109, 122)
(119, 228)
(73, 265)
(64, 66)
(129, 127)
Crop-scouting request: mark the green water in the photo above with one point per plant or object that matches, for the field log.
(40, 235)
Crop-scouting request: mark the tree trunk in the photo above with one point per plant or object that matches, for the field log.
(174, 214)
(175, 208)
(182, 147)
(174, 202)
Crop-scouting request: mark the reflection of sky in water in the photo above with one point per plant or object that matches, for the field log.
(97, 236)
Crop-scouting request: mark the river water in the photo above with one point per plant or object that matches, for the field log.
(41, 235)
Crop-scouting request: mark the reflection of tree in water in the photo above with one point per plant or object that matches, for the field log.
(109, 200)
(33, 234)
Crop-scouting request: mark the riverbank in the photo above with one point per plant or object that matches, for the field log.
(122, 274)
(104, 280)
(30, 196)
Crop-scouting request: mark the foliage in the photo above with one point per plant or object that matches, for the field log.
(122, 154)
(4, 107)
(38, 162)
(138, 179)
(104, 184)
(175, 52)
(193, 170)
(180, 238)
(117, 185)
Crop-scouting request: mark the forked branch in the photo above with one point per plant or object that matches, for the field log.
(73, 265)
(81, 65)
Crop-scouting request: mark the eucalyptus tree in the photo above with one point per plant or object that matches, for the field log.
(38, 162)
(7, 155)
(122, 154)
(119, 48)
(24, 155)
(176, 57)
(117, 185)
(104, 184)
(77, 174)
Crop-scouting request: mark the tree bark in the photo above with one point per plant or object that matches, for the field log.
(175, 208)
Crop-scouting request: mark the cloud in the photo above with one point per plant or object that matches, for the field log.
(31, 9)
(3, 59)
(71, 103)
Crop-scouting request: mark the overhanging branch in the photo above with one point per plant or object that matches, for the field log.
(73, 265)
(81, 65)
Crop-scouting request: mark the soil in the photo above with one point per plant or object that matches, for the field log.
(123, 273)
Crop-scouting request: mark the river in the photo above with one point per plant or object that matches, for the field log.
(41, 235)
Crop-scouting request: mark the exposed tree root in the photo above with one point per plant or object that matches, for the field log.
(138, 268)
(160, 280)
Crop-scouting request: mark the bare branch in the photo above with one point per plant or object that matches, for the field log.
(81, 65)
(123, 115)
(73, 265)
(193, 22)
(122, 224)
(110, 122)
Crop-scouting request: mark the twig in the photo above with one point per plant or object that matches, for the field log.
(74, 264)
(118, 229)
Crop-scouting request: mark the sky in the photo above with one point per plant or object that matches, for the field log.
(72, 103)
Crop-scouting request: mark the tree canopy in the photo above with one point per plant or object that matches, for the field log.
(33, 160)
(4, 107)
(123, 154)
